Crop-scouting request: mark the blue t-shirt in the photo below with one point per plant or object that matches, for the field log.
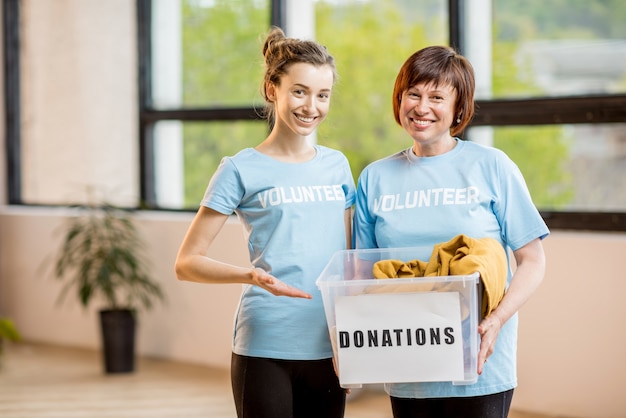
(409, 201)
(293, 216)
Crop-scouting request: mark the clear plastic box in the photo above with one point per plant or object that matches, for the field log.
(349, 273)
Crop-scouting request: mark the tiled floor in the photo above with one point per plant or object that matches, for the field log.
(42, 381)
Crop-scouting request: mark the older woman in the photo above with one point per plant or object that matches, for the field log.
(463, 188)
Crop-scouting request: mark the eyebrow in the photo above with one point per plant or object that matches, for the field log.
(436, 91)
(304, 86)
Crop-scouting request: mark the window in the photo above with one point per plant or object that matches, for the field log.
(360, 122)
(233, 32)
(551, 94)
(568, 167)
(551, 91)
(203, 56)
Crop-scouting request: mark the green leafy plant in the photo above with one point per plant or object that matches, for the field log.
(101, 256)
(8, 332)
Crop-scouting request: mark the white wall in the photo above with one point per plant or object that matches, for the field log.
(193, 325)
(571, 351)
(79, 100)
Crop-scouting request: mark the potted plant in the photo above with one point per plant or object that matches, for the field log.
(8, 332)
(101, 258)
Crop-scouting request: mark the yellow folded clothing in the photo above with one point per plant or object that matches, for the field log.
(462, 255)
(398, 269)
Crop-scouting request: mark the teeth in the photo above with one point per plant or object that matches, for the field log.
(303, 119)
(422, 122)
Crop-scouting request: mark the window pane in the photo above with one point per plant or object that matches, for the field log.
(568, 167)
(370, 41)
(188, 153)
(207, 53)
(552, 48)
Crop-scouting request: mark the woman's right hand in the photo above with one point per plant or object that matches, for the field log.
(275, 286)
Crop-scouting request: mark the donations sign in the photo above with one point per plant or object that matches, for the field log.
(399, 337)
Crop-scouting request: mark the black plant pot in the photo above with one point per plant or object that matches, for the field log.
(118, 340)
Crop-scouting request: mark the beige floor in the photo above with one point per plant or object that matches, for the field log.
(42, 381)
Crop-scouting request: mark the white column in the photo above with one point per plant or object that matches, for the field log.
(478, 44)
(167, 93)
(300, 23)
(300, 16)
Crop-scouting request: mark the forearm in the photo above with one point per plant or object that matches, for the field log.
(523, 285)
(526, 279)
(202, 269)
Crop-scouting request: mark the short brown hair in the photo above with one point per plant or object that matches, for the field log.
(439, 65)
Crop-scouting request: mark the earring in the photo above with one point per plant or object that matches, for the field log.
(458, 120)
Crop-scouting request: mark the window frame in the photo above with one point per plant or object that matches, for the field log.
(12, 117)
(589, 109)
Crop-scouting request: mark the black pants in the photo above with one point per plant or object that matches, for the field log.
(487, 406)
(270, 388)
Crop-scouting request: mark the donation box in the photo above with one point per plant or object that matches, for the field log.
(417, 329)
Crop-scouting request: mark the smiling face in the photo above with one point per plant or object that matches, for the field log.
(445, 79)
(302, 98)
(426, 112)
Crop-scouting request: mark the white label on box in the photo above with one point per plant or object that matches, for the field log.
(399, 337)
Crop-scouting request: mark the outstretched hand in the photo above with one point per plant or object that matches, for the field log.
(275, 286)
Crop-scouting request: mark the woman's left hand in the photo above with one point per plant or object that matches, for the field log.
(488, 329)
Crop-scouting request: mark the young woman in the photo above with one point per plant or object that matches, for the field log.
(294, 201)
(463, 188)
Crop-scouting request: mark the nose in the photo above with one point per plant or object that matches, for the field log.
(309, 103)
(420, 106)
